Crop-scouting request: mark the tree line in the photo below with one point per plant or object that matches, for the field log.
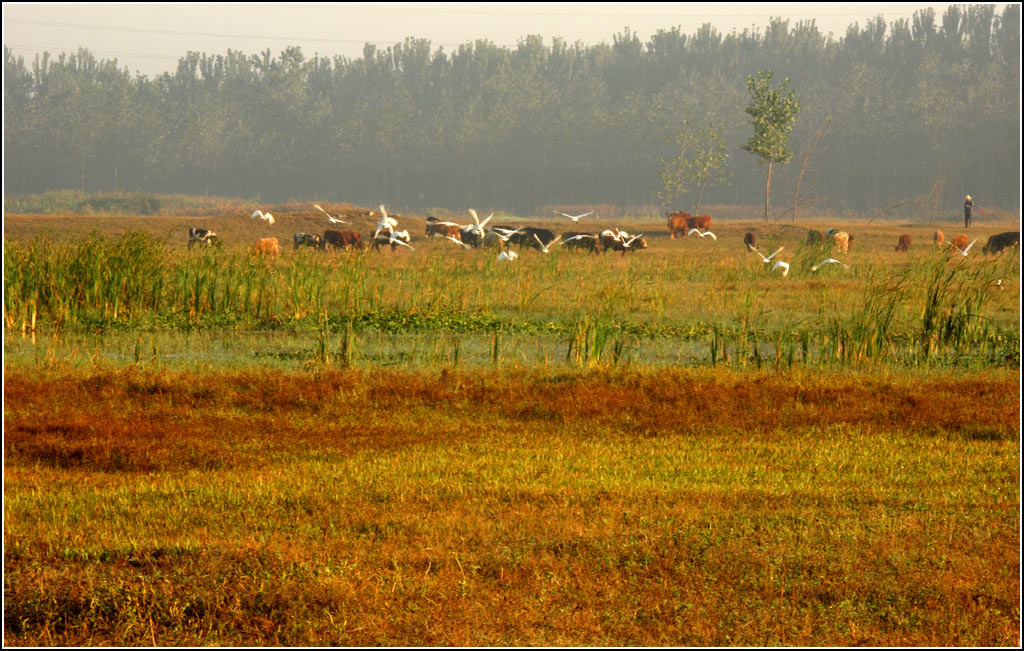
(889, 111)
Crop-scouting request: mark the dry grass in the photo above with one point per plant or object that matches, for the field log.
(516, 508)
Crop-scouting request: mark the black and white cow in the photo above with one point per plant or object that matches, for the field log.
(203, 236)
(307, 239)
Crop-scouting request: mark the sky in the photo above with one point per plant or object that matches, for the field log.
(149, 38)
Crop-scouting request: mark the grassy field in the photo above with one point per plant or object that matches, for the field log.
(427, 447)
(591, 508)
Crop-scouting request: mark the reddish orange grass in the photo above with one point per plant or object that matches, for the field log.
(675, 507)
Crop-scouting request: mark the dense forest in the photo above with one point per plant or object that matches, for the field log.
(889, 112)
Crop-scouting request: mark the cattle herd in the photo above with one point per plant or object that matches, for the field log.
(482, 233)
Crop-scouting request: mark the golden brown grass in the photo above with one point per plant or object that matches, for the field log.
(515, 508)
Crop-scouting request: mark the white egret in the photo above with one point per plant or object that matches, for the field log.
(575, 218)
(265, 216)
(704, 234)
(830, 261)
(332, 218)
(540, 243)
(761, 255)
(458, 241)
(964, 251)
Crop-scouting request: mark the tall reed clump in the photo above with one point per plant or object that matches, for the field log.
(593, 342)
(305, 281)
(868, 334)
(955, 294)
(94, 279)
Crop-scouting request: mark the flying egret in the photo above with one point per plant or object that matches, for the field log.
(764, 259)
(704, 234)
(575, 218)
(580, 236)
(963, 251)
(267, 217)
(626, 243)
(779, 264)
(830, 261)
(385, 223)
(505, 233)
(393, 239)
(458, 241)
(332, 218)
(540, 243)
(478, 225)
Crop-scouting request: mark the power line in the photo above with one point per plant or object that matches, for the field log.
(61, 49)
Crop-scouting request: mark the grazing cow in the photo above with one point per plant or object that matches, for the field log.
(997, 243)
(684, 221)
(815, 236)
(841, 240)
(903, 244)
(471, 235)
(203, 236)
(960, 242)
(267, 246)
(585, 241)
(621, 241)
(700, 222)
(939, 238)
(307, 239)
(526, 236)
(750, 239)
(342, 239)
(678, 222)
(438, 228)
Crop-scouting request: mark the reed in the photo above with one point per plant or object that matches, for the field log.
(928, 309)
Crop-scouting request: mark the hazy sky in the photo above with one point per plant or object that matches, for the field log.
(150, 38)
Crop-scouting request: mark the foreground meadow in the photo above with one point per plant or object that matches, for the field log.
(629, 507)
(428, 447)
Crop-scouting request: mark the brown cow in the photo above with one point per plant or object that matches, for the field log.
(903, 244)
(436, 227)
(939, 238)
(342, 239)
(679, 222)
(750, 240)
(841, 240)
(960, 242)
(815, 236)
(684, 221)
(267, 246)
(701, 222)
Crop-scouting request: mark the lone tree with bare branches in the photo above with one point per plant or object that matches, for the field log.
(702, 161)
(772, 112)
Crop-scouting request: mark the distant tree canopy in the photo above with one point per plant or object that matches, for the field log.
(417, 127)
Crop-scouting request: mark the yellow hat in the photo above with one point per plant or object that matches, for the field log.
(968, 197)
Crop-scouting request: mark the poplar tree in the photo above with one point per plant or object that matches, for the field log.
(772, 112)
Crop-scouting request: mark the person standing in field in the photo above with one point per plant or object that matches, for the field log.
(968, 207)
